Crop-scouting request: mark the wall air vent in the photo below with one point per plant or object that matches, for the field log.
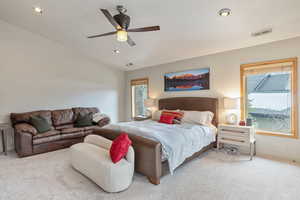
(262, 32)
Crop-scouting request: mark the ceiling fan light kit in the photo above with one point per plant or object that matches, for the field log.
(121, 23)
(122, 36)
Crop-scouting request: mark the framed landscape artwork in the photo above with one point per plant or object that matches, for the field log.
(195, 79)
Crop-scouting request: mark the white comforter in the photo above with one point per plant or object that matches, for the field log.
(178, 141)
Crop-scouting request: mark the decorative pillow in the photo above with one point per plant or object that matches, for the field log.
(103, 122)
(177, 114)
(156, 115)
(198, 117)
(99, 116)
(40, 123)
(119, 147)
(84, 120)
(176, 121)
(166, 119)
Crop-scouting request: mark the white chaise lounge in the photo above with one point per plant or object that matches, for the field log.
(92, 159)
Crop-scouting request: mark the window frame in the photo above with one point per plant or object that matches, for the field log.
(135, 82)
(294, 93)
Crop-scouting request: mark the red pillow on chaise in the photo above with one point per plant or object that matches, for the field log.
(119, 147)
(167, 119)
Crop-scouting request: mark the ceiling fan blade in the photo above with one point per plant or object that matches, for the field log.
(100, 35)
(145, 29)
(111, 19)
(130, 41)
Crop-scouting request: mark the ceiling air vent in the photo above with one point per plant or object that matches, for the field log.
(263, 32)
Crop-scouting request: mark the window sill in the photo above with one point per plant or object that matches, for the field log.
(294, 136)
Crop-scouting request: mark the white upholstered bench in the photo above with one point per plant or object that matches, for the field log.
(92, 159)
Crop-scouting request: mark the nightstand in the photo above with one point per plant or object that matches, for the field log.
(141, 118)
(237, 135)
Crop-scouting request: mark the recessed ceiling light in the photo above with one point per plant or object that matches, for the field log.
(129, 64)
(225, 12)
(38, 9)
(116, 51)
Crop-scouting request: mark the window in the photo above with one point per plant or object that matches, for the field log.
(269, 96)
(139, 93)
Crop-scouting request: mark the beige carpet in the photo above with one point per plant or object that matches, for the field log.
(213, 176)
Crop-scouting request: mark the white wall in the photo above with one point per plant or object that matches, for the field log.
(36, 73)
(225, 81)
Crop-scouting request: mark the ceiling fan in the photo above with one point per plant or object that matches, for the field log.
(121, 23)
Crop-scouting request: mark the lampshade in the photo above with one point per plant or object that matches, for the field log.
(231, 103)
(149, 103)
(122, 36)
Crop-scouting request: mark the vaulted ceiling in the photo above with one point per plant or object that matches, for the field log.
(188, 28)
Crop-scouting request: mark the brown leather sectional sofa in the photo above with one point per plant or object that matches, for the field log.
(63, 134)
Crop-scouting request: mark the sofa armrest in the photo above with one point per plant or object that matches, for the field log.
(23, 144)
(98, 141)
(25, 128)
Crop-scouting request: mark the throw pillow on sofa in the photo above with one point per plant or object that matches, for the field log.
(84, 120)
(40, 123)
(119, 147)
(101, 119)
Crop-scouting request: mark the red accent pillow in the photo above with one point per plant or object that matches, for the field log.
(167, 119)
(119, 147)
(177, 115)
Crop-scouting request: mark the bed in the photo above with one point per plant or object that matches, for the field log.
(150, 158)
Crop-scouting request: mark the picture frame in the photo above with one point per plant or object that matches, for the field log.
(189, 80)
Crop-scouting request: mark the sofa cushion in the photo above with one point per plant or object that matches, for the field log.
(46, 139)
(73, 135)
(47, 134)
(25, 117)
(62, 117)
(71, 130)
(64, 126)
(84, 110)
(40, 123)
(87, 128)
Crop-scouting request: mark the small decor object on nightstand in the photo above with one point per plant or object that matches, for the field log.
(249, 122)
(4, 130)
(242, 123)
(237, 135)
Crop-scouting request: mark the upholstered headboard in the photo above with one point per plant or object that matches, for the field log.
(191, 103)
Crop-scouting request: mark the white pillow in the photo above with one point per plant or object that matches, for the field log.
(98, 116)
(198, 117)
(156, 115)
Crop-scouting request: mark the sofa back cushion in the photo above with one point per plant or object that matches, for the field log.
(25, 117)
(84, 111)
(62, 117)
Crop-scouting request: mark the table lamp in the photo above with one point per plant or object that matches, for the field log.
(149, 104)
(232, 105)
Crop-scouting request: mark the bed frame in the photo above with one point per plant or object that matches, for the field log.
(148, 152)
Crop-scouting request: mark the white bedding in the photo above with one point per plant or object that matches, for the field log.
(179, 141)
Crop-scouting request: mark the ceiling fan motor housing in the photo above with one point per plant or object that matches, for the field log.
(123, 20)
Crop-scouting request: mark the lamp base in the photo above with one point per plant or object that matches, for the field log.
(232, 119)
